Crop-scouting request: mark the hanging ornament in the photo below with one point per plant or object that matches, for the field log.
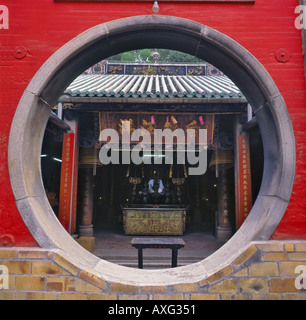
(171, 170)
(167, 123)
(185, 172)
(155, 7)
(173, 120)
(128, 171)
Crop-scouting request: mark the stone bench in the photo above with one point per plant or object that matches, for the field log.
(157, 243)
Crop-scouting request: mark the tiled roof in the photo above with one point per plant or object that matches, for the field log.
(153, 86)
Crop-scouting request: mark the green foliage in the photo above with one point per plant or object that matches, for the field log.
(166, 56)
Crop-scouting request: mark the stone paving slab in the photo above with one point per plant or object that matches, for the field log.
(116, 247)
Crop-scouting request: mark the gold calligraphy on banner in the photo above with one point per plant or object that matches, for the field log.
(68, 187)
(243, 183)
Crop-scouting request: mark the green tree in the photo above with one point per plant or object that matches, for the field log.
(166, 56)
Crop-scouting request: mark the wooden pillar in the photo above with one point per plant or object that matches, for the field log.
(197, 218)
(86, 195)
(86, 238)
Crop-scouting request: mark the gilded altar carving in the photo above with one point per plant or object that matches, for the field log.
(152, 222)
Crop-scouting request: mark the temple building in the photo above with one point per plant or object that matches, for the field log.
(157, 197)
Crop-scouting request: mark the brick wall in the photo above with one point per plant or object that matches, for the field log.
(265, 270)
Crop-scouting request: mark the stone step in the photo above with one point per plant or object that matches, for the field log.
(149, 258)
(150, 261)
(151, 254)
(157, 264)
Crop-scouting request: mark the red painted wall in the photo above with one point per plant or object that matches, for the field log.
(42, 26)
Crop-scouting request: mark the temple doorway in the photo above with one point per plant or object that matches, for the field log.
(113, 190)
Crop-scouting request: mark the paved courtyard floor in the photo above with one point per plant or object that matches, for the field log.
(116, 247)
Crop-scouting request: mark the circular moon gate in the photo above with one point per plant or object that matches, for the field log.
(154, 31)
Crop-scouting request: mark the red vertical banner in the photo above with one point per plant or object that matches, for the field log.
(75, 182)
(68, 187)
(243, 179)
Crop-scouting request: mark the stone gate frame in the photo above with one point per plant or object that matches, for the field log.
(151, 31)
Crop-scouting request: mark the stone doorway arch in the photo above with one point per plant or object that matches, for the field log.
(134, 33)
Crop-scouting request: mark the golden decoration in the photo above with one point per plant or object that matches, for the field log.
(192, 125)
(89, 157)
(148, 126)
(178, 181)
(134, 180)
(123, 126)
(221, 160)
